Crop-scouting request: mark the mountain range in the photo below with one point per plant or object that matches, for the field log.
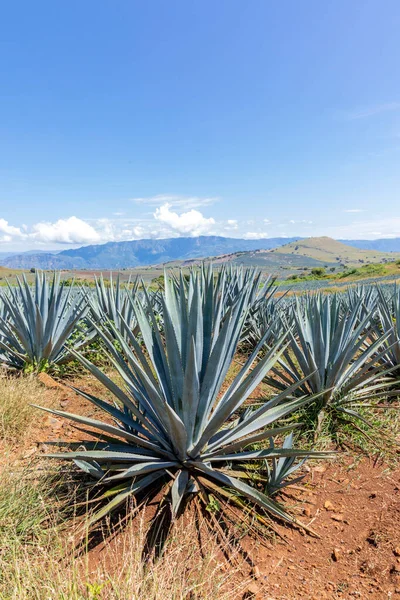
(136, 253)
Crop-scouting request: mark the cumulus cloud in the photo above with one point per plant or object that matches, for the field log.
(66, 231)
(191, 223)
(8, 232)
(231, 225)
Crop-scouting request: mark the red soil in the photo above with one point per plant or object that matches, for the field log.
(354, 506)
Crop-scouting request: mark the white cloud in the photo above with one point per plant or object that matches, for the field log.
(231, 224)
(65, 231)
(354, 210)
(267, 221)
(190, 223)
(8, 232)
(255, 235)
(184, 202)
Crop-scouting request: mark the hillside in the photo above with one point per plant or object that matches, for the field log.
(264, 259)
(330, 251)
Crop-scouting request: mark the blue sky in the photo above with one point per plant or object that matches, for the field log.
(130, 119)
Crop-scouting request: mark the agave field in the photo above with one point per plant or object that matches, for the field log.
(213, 395)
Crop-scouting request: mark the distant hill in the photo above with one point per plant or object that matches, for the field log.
(4, 255)
(328, 250)
(138, 253)
(119, 255)
(383, 245)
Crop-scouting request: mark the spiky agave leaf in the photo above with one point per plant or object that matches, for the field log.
(281, 470)
(41, 320)
(172, 420)
(5, 357)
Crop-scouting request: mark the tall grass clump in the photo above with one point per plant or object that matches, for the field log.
(17, 394)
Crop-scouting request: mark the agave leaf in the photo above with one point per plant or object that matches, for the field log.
(129, 490)
(178, 490)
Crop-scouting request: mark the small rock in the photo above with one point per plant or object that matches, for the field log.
(251, 592)
(29, 453)
(328, 505)
(48, 381)
(256, 572)
(336, 554)
(307, 511)
(320, 469)
(53, 423)
(395, 570)
(396, 551)
(337, 517)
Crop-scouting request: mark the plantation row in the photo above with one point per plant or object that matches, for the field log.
(184, 419)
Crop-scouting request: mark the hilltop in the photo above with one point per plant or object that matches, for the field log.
(330, 251)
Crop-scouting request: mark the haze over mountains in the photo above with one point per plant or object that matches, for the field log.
(119, 255)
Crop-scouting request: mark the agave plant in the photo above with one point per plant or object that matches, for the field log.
(178, 425)
(40, 324)
(389, 323)
(4, 355)
(269, 314)
(360, 294)
(336, 350)
(114, 303)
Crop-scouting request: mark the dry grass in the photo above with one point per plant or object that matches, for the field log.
(36, 561)
(36, 521)
(16, 415)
